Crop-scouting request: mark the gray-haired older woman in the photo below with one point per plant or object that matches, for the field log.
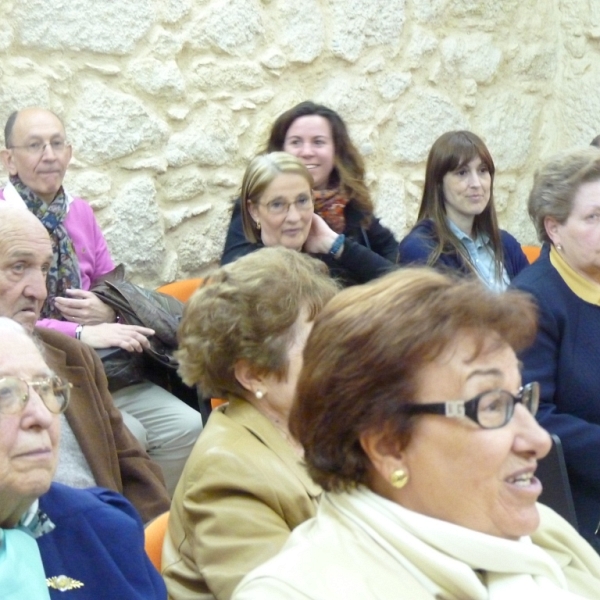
(564, 205)
(426, 444)
(244, 488)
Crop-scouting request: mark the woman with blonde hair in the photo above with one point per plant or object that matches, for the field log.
(244, 487)
(457, 228)
(277, 209)
(319, 138)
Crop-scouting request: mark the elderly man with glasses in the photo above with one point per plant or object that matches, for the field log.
(36, 157)
(89, 540)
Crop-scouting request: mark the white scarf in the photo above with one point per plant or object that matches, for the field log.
(445, 557)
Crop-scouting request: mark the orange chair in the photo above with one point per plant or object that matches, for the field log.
(154, 536)
(531, 252)
(182, 289)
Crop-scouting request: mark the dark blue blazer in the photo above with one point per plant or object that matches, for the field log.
(368, 252)
(99, 541)
(565, 359)
(418, 245)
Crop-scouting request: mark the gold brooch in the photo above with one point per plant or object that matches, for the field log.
(62, 583)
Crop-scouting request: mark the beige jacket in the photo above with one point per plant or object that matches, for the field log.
(338, 555)
(241, 493)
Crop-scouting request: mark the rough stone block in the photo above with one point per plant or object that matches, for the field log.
(103, 26)
(106, 124)
(472, 55)
(208, 141)
(421, 122)
(358, 24)
(136, 236)
(157, 77)
(229, 26)
(301, 21)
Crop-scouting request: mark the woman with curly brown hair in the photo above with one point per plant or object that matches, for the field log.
(244, 487)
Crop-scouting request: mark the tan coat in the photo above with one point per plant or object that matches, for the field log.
(116, 459)
(242, 491)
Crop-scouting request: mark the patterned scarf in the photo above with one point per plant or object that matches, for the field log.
(36, 522)
(330, 205)
(64, 270)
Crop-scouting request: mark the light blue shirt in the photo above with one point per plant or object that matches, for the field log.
(481, 256)
(22, 574)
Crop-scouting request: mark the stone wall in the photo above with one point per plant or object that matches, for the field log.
(165, 101)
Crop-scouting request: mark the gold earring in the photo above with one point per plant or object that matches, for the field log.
(399, 478)
(258, 225)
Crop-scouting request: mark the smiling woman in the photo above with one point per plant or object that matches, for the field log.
(318, 137)
(278, 207)
(419, 502)
(457, 227)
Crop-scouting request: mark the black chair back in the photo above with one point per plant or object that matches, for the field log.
(552, 472)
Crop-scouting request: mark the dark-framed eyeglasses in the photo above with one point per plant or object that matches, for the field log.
(38, 148)
(14, 393)
(490, 410)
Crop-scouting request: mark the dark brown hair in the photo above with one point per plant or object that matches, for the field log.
(367, 347)
(449, 152)
(349, 169)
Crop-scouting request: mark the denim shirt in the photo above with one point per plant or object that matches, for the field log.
(481, 256)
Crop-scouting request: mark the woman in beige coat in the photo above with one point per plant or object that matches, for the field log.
(426, 444)
(244, 487)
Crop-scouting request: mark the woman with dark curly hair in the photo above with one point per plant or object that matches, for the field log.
(318, 136)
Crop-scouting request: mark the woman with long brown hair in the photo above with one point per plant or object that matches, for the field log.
(457, 227)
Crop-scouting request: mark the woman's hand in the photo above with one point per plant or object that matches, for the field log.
(105, 335)
(320, 237)
(85, 308)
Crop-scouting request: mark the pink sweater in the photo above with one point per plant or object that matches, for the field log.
(90, 247)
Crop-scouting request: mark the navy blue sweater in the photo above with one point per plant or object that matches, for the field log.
(368, 252)
(565, 359)
(418, 245)
(99, 541)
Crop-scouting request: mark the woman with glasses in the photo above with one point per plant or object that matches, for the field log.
(319, 138)
(277, 207)
(54, 538)
(426, 445)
